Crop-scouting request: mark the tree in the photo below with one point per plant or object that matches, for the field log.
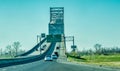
(98, 48)
(21, 51)
(1, 52)
(16, 46)
(9, 49)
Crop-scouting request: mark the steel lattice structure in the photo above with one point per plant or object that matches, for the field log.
(56, 24)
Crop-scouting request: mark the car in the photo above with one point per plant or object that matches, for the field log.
(57, 47)
(56, 53)
(44, 46)
(48, 58)
(42, 49)
(54, 56)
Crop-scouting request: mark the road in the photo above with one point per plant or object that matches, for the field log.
(54, 66)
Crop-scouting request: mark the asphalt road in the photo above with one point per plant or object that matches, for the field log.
(54, 66)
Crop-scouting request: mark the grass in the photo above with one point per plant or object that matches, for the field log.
(102, 60)
(5, 57)
(108, 64)
(71, 59)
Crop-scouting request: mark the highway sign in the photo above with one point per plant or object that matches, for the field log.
(42, 35)
(54, 38)
(73, 46)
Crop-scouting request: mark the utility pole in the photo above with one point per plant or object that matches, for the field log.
(71, 38)
(38, 42)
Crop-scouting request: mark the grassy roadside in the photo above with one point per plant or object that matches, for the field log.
(6, 57)
(100, 60)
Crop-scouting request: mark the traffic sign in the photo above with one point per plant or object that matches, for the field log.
(73, 46)
(54, 38)
(42, 35)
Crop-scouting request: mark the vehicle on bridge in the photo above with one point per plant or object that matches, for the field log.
(54, 56)
(48, 58)
(56, 53)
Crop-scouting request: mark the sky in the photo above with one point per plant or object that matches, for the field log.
(89, 21)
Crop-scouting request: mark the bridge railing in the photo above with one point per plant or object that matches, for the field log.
(17, 61)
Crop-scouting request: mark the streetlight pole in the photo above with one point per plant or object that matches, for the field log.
(73, 40)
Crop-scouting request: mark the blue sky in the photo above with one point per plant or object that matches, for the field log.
(90, 21)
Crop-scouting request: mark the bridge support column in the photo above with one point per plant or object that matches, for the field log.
(62, 51)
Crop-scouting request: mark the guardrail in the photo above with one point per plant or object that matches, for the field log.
(17, 61)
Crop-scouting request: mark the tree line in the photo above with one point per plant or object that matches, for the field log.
(12, 50)
(100, 50)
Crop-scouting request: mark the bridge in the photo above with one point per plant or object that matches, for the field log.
(55, 38)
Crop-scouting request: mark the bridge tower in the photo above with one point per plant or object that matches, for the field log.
(56, 24)
(56, 30)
